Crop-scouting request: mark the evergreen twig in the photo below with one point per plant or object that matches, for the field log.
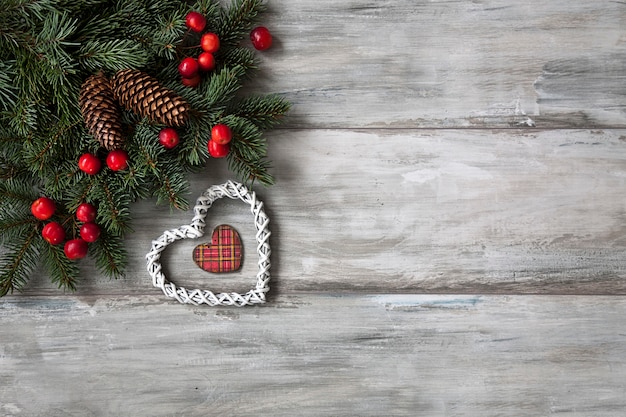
(49, 47)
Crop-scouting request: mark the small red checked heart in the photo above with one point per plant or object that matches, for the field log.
(223, 254)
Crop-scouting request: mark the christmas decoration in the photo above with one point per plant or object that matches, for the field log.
(232, 190)
(101, 112)
(89, 164)
(86, 212)
(192, 82)
(206, 61)
(90, 232)
(43, 208)
(117, 160)
(221, 134)
(195, 21)
(188, 67)
(81, 81)
(224, 252)
(168, 137)
(76, 249)
(217, 150)
(143, 94)
(261, 38)
(53, 233)
(210, 43)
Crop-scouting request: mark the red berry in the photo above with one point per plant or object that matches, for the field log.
(75, 249)
(53, 233)
(206, 61)
(168, 137)
(89, 164)
(117, 160)
(43, 208)
(195, 21)
(218, 151)
(221, 134)
(209, 42)
(188, 67)
(86, 212)
(192, 82)
(261, 38)
(90, 232)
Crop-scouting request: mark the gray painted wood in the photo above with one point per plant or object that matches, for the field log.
(462, 211)
(488, 63)
(471, 148)
(315, 355)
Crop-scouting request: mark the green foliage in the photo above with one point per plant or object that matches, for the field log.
(49, 47)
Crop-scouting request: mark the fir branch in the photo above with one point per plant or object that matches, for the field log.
(110, 255)
(250, 170)
(237, 20)
(169, 35)
(112, 55)
(18, 260)
(29, 9)
(80, 192)
(208, 8)
(222, 87)
(113, 208)
(193, 147)
(248, 151)
(15, 223)
(11, 159)
(17, 194)
(172, 186)
(46, 149)
(243, 57)
(63, 180)
(23, 120)
(8, 93)
(50, 44)
(8, 169)
(49, 47)
(62, 271)
(264, 111)
(145, 150)
(247, 137)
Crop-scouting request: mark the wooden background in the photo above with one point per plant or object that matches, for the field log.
(448, 235)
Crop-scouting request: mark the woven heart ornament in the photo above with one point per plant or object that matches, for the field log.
(195, 230)
(224, 252)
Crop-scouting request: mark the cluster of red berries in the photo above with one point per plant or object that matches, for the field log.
(116, 160)
(54, 233)
(191, 68)
(219, 143)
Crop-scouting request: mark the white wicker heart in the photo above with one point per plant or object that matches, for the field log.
(195, 230)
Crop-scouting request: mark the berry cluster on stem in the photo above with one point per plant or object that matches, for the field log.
(46, 149)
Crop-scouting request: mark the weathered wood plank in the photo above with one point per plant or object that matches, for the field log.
(314, 355)
(461, 211)
(489, 63)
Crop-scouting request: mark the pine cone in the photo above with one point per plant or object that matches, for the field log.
(101, 112)
(142, 94)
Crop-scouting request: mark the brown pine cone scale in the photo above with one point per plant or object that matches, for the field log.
(144, 95)
(101, 112)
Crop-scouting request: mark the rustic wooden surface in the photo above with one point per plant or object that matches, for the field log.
(448, 235)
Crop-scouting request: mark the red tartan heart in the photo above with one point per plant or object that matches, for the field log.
(224, 252)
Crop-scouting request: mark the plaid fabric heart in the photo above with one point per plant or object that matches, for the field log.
(224, 252)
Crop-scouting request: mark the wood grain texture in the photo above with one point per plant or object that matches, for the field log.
(315, 355)
(488, 63)
(447, 211)
(474, 148)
